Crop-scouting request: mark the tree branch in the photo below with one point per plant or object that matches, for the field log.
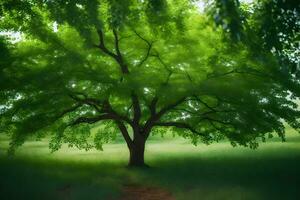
(125, 133)
(149, 44)
(105, 107)
(71, 109)
(252, 72)
(179, 125)
(102, 45)
(92, 120)
(154, 118)
(205, 104)
(108, 109)
(88, 101)
(170, 106)
(215, 127)
(117, 57)
(128, 109)
(216, 120)
(136, 108)
(152, 105)
(170, 72)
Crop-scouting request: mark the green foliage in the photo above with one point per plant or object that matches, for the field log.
(263, 25)
(140, 64)
(228, 15)
(106, 133)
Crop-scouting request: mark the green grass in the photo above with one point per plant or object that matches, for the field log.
(218, 171)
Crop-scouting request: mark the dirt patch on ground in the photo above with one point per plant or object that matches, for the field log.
(137, 192)
(64, 192)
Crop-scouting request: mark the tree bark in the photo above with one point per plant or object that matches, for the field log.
(136, 153)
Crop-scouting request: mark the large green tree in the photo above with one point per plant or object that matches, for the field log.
(136, 67)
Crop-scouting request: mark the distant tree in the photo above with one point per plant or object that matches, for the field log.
(136, 67)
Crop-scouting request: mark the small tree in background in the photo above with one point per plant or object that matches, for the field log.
(134, 67)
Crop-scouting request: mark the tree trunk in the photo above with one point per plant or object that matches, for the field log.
(137, 151)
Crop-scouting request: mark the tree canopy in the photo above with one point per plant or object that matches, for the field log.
(268, 25)
(143, 66)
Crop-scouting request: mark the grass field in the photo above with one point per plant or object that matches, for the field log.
(218, 171)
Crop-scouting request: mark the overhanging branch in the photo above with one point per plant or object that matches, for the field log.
(252, 72)
(95, 103)
(205, 104)
(91, 120)
(102, 107)
(181, 125)
(102, 45)
(116, 56)
(170, 106)
(149, 44)
(216, 120)
(170, 72)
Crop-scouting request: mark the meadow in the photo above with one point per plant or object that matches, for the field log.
(188, 172)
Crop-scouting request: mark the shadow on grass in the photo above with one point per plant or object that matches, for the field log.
(187, 177)
(228, 178)
(30, 179)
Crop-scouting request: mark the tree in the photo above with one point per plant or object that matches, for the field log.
(136, 67)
